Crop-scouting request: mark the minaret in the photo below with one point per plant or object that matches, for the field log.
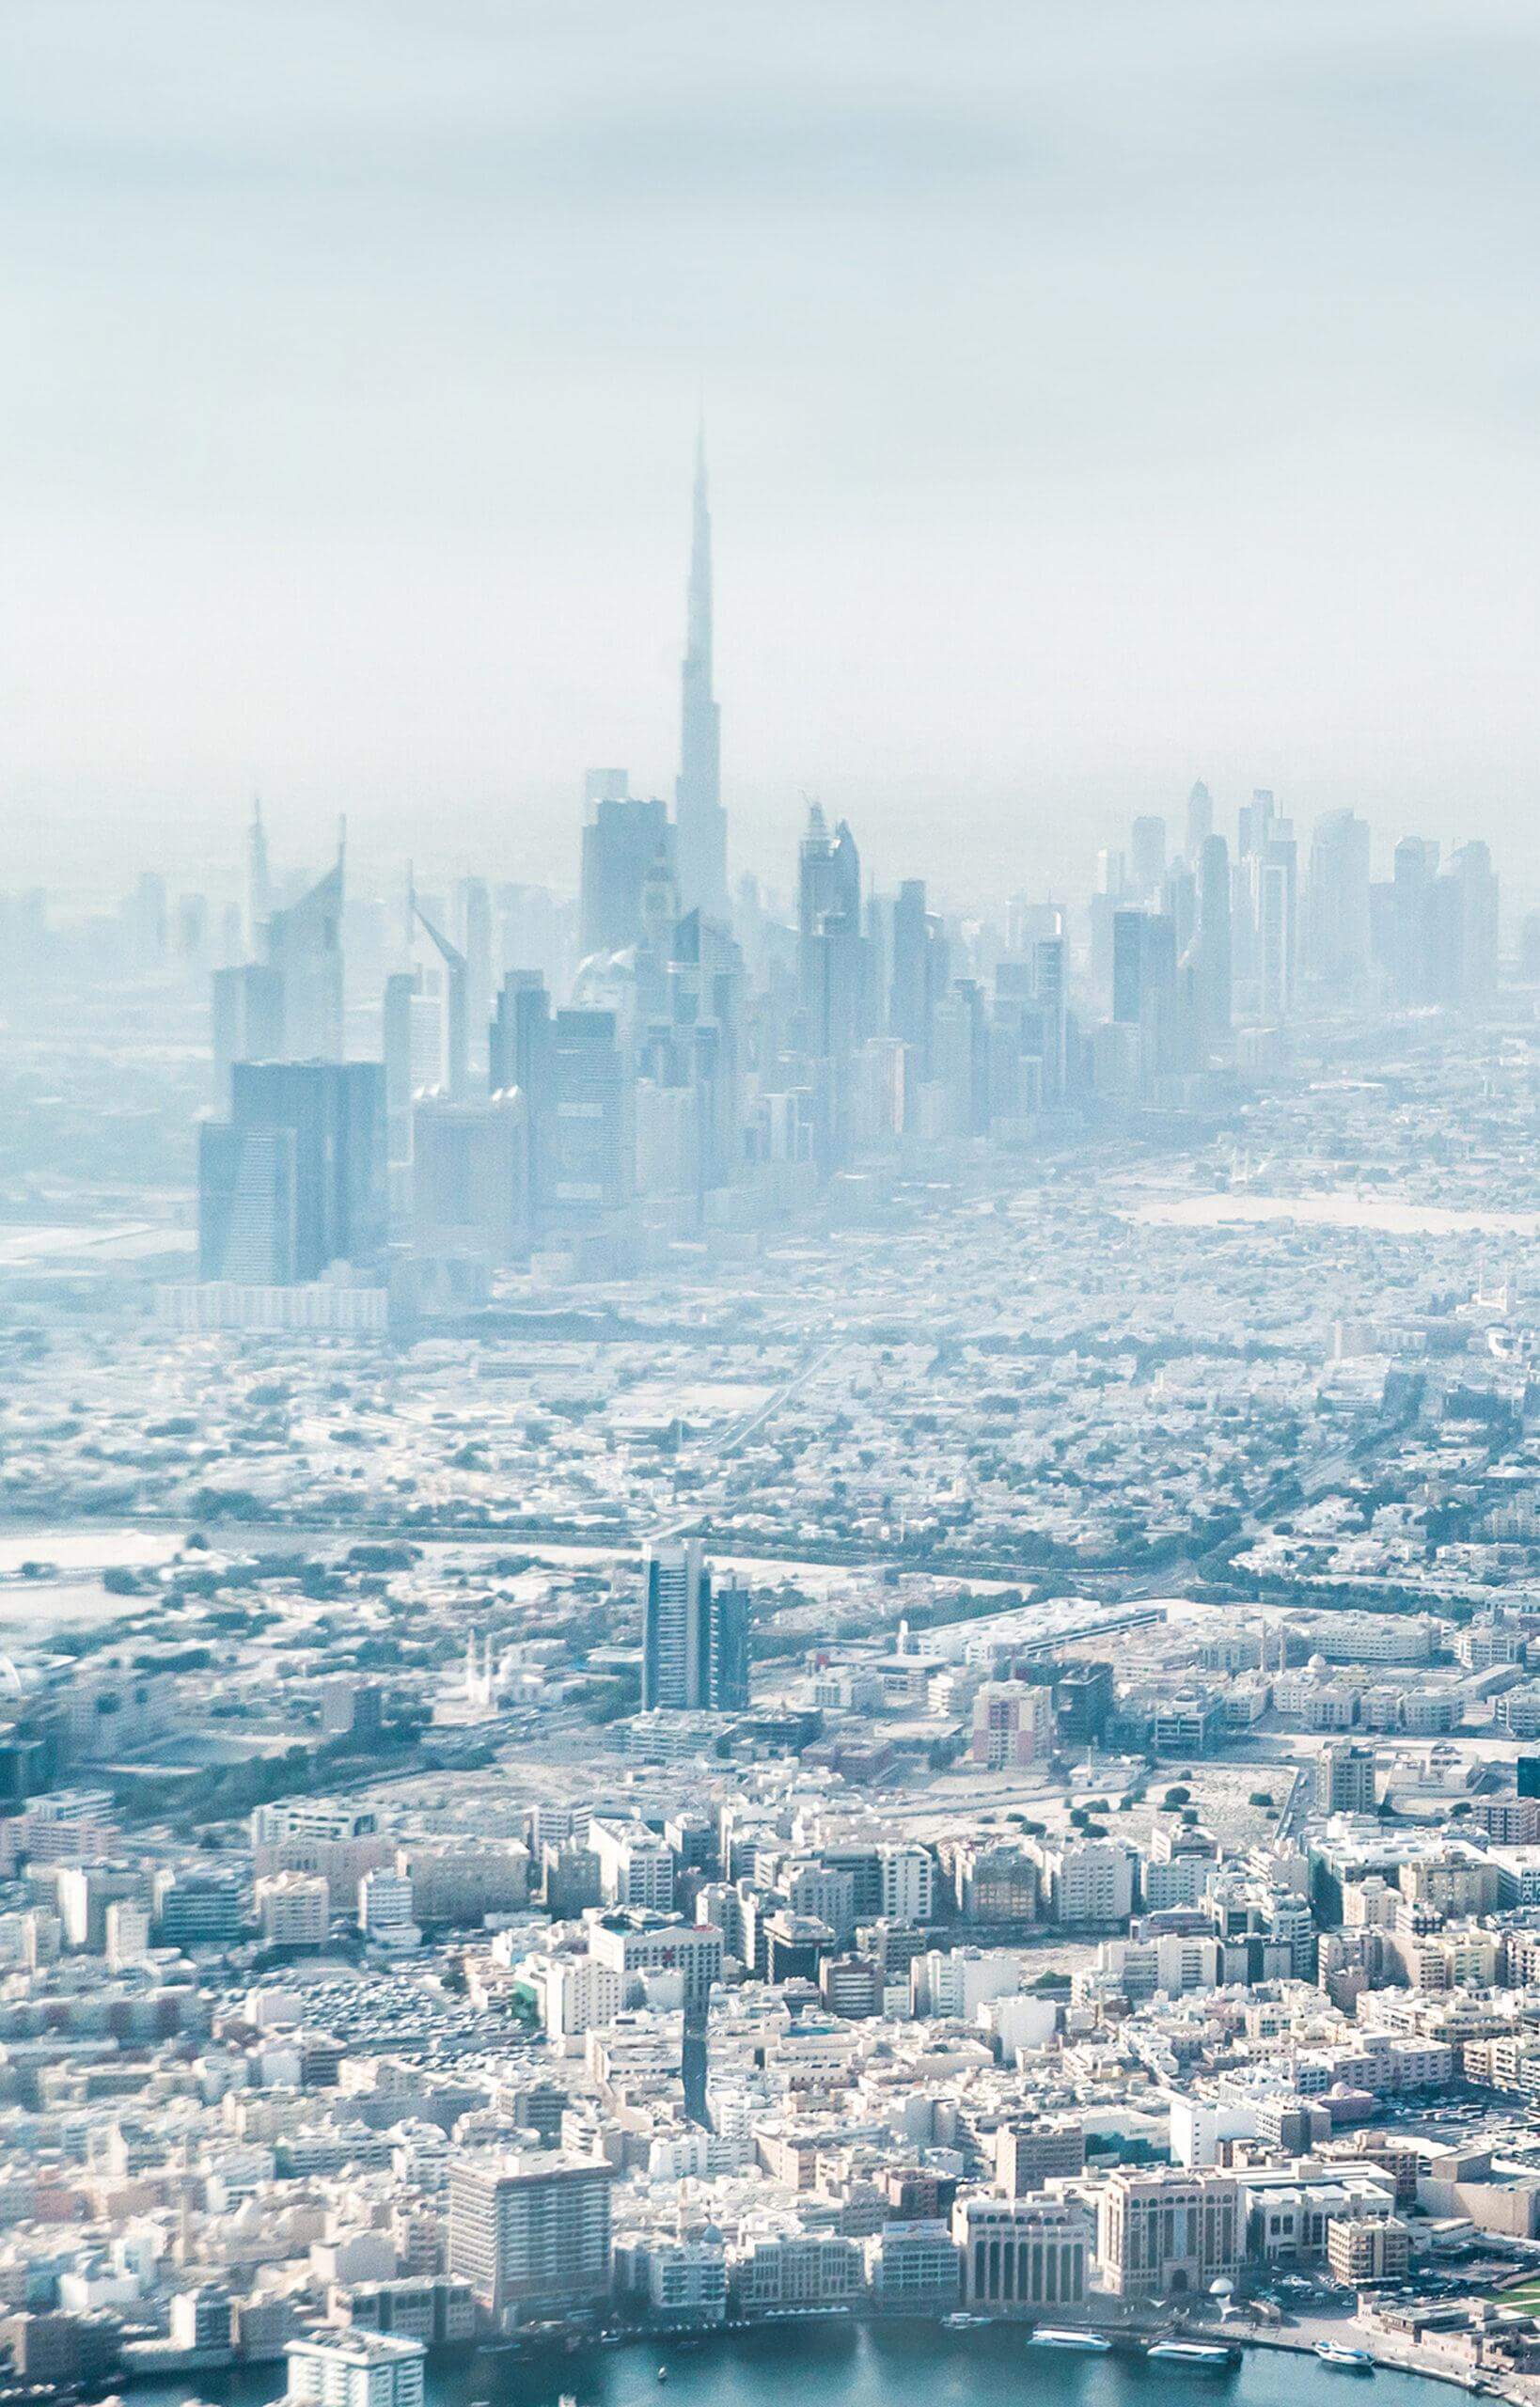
(701, 823)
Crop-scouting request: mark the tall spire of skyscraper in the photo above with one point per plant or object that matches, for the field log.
(259, 883)
(701, 823)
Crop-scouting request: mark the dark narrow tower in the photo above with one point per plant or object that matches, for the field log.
(701, 823)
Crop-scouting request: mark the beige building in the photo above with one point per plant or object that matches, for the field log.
(1362, 2253)
(1025, 2253)
(1166, 2232)
(529, 2233)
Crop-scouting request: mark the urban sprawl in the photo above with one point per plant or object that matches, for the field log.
(722, 1607)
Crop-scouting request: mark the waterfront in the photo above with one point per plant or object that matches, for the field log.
(839, 2363)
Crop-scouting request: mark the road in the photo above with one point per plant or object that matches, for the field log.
(766, 1411)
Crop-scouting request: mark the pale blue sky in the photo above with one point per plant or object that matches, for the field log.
(1102, 393)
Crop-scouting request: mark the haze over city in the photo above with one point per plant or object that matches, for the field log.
(769, 1205)
(1099, 397)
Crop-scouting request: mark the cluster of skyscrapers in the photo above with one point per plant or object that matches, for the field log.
(697, 1063)
(1207, 942)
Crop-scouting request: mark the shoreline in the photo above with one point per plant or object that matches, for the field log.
(1134, 2335)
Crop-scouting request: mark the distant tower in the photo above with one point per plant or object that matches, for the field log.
(454, 1026)
(1213, 963)
(700, 820)
(474, 937)
(303, 945)
(259, 881)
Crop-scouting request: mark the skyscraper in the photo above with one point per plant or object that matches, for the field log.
(701, 822)
(1147, 857)
(518, 1052)
(695, 1637)
(1200, 822)
(1265, 943)
(623, 843)
(470, 1177)
(472, 933)
(519, 1034)
(529, 2233)
(1211, 952)
(581, 1111)
(1146, 993)
(702, 1042)
(401, 990)
(247, 1020)
(1049, 984)
(828, 889)
(303, 945)
(1337, 901)
(259, 882)
(1402, 914)
(912, 998)
(961, 1064)
(728, 1651)
(453, 976)
(1467, 926)
(676, 1604)
(831, 973)
(295, 1179)
(246, 1204)
(1143, 963)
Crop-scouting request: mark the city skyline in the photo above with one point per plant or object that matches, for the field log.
(702, 826)
(1078, 430)
(769, 1211)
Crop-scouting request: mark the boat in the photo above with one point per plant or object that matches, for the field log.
(1204, 2355)
(663, 2373)
(1057, 2335)
(1345, 2360)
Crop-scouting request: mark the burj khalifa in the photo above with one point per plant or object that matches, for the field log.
(700, 821)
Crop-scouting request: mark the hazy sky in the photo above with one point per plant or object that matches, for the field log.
(1101, 393)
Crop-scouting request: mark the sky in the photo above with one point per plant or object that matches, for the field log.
(1100, 394)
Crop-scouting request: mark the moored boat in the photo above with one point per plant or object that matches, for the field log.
(1057, 2335)
(1208, 2357)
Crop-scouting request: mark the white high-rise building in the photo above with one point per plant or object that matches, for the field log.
(385, 1909)
(908, 1884)
(128, 1932)
(635, 1868)
(293, 1909)
(576, 1993)
(356, 2370)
